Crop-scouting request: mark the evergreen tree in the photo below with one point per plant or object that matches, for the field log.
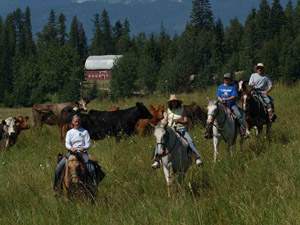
(262, 19)
(164, 42)
(96, 46)
(30, 44)
(117, 31)
(74, 34)
(250, 43)
(62, 35)
(201, 14)
(124, 76)
(124, 44)
(49, 34)
(107, 43)
(232, 45)
(276, 20)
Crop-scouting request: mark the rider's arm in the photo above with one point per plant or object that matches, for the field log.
(270, 86)
(68, 142)
(165, 121)
(87, 141)
(251, 81)
(268, 90)
(184, 119)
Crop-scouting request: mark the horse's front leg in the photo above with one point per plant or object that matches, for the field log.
(168, 179)
(216, 144)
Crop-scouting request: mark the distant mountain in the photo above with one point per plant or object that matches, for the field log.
(143, 15)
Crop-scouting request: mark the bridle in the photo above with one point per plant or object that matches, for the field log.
(165, 144)
(220, 125)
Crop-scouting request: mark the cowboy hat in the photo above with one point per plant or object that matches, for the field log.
(174, 98)
(259, 65)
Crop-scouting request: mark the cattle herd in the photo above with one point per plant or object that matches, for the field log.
(99, 124)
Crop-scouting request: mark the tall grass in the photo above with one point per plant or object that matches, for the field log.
(257, 186)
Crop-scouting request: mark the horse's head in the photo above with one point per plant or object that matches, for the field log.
(74, 168)
(241, 86)
(247, 98)
(212, 111)
(161, 135)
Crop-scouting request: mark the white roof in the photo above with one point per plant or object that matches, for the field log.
(102, 62)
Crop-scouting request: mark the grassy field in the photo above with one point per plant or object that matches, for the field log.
(258, 186)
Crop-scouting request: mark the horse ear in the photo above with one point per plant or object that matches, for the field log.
(27, 117)
(207, 99)
(3, 122)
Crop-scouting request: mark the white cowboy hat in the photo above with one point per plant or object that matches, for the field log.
(259, 65)
(173, 98)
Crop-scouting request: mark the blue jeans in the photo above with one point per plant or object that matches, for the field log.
(267, 99)
(186, 135)
(240, 118)
(89, 165)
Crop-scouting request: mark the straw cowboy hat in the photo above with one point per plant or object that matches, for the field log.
(174, 98)
(259, 65)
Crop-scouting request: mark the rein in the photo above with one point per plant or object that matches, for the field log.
(167, 142)
(220, 126)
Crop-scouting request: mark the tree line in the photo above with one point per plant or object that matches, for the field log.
(50, 67)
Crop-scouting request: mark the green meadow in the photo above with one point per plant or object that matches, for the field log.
(260, 185)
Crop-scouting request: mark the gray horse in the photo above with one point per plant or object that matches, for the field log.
(174, 148)
(224, 126)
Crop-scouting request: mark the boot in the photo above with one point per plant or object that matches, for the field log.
(156, 164)
(208, 134)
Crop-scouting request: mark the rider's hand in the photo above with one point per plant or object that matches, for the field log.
(265, 92)
(73, 149)
(223, 100)
(252, 85)
(82, 149)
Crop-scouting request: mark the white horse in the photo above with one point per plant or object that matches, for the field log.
(224, 126)
(176, 154)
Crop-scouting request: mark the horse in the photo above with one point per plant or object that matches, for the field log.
(256, 113)
(75, 180)
(224, 126)
(175, 154)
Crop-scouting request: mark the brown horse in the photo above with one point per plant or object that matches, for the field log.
(143, 125)
(75, 180)
(256, 113)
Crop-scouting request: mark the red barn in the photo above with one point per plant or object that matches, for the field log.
(99, 67)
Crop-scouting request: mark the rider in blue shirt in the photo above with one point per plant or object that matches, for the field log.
(226, 95)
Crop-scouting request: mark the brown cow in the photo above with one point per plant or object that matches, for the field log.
(50, 113)
(196, 113)
(143, 126)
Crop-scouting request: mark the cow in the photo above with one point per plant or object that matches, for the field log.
(21, 124)
(122, 122)
(9, 126)
(50, 113)
(143, 125)
(196, 113)
(2, 131)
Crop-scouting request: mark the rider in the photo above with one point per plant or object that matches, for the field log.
(263, 85)
(77, 140)
(227, 94)
(176, 117)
